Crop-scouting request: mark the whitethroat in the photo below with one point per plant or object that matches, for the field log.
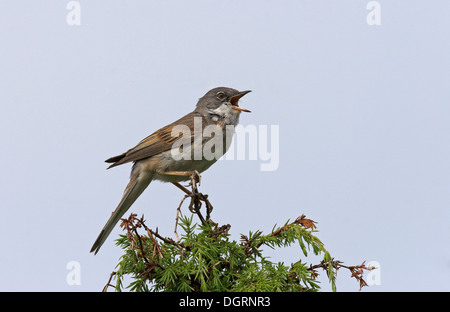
(166, 157)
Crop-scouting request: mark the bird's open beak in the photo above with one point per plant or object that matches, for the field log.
(234, 101)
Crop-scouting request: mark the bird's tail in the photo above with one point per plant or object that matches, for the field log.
(138, 183)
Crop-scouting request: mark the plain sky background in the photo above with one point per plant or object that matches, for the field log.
(363, 113)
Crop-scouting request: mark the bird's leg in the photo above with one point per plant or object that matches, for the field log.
(196, 197)
(181, 187)
(195, 204)
(196, 178)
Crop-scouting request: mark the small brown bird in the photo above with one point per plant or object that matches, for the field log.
(164, 156)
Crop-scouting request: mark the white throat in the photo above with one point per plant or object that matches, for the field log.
(224, 112)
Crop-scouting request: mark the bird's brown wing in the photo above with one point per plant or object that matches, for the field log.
(158, 142)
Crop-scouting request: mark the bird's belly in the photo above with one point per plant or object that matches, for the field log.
(166, 163)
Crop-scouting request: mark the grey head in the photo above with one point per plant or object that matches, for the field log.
(221, 101)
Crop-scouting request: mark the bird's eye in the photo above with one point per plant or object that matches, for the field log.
(220, 95)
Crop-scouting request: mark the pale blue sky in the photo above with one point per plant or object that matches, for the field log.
(363, 113)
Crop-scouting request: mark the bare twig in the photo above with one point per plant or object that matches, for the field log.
(164, 239)
(357, 271)
(108, 283)
(178, 215)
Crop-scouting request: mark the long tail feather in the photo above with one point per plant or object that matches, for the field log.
(134, 189)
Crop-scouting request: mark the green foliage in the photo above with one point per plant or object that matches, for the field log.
(206, 259)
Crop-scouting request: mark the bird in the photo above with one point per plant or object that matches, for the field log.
(168, 157)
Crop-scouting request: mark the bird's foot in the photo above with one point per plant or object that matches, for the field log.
(196, 197)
